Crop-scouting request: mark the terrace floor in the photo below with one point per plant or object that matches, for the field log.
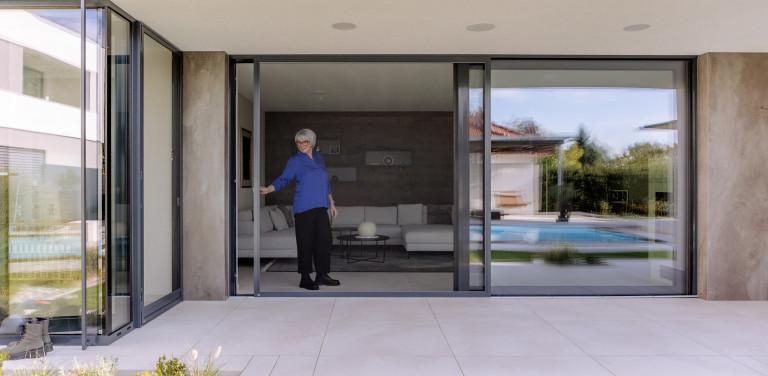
(451, 336)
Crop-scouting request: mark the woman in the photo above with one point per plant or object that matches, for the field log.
(311, 202)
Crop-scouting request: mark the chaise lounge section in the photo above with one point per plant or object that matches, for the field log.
(405, 224)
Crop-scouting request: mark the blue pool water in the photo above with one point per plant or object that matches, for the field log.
(42, 247)
(565, 233)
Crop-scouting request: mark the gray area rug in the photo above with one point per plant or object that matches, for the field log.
(396, 260)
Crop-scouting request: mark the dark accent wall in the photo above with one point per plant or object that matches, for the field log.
(427, 135)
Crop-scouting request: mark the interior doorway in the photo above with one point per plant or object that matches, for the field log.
(386, 133)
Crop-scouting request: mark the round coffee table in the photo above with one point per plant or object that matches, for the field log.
(374, 243)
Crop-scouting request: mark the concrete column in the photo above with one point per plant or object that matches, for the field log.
(205, 221)
(732, 168)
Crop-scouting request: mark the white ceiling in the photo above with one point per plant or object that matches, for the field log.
(434, 27)
(546, 27)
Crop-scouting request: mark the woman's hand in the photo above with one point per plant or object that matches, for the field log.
(265, 190)
(334, 211)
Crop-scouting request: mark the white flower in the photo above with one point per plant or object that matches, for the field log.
(194, 354)
(218, 352)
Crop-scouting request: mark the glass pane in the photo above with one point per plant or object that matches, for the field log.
(476, 178)
(118, 192)
(158, 171)
(385, 132)
(40, 169)
(585, 181)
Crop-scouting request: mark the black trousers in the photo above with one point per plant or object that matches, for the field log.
(314, 239)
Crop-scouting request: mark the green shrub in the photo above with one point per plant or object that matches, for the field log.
(566, 254)
(172, 367)
(592, 259)
(605, 207)
(561, 255)
(3, 357)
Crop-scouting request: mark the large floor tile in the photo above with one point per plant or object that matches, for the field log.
(158, 338)
(757, 363)
(533, 365)
(580, 309)
(265, 338)
(234, 363)
(503, 336)
(727, 337)
(480, 309)
(384, 338)
(387, 366)
(283, 309)
(676, 308)
(751, 309)
(295, 366)
(260, 366)
(674, 366)
(200, 310)
(382, 309)
(628, 338)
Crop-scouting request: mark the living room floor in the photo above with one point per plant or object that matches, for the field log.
(350, 281)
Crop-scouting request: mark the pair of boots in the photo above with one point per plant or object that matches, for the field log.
(34, 343)
(321, 279)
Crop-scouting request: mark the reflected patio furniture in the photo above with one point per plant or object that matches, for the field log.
(509, 199)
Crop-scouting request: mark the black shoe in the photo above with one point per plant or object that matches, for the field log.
(308, 283)
(325, 279)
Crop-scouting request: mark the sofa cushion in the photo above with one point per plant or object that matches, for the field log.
(279, 240)
(440, 214)
(410, 214)
(384, 215)
(393, 231)
(245, 242)
(245, 227)
(265, 223)
(349, 216)
(245, 215)
(288, 213)
(434, 234)
(244, 245)
(278, 219)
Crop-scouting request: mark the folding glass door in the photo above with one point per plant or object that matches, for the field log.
(161, 269)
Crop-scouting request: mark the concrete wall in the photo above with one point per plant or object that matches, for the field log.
(205, 204)
(427, 135)
(732, 176)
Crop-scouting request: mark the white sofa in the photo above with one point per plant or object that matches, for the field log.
(405, 225)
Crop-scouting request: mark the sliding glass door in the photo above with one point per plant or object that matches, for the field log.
(396, 141)
(589, 177)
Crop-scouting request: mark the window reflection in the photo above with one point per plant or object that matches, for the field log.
(40, 170)
(584, 182)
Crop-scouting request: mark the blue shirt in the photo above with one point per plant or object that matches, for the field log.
(312, 186)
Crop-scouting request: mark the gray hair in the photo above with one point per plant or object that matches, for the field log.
(306, 135)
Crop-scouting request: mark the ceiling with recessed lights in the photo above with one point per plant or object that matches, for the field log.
(537, 27)
(430, 27)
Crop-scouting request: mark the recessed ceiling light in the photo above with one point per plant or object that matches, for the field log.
(344, 26)
(637, 27)
(481, 27)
